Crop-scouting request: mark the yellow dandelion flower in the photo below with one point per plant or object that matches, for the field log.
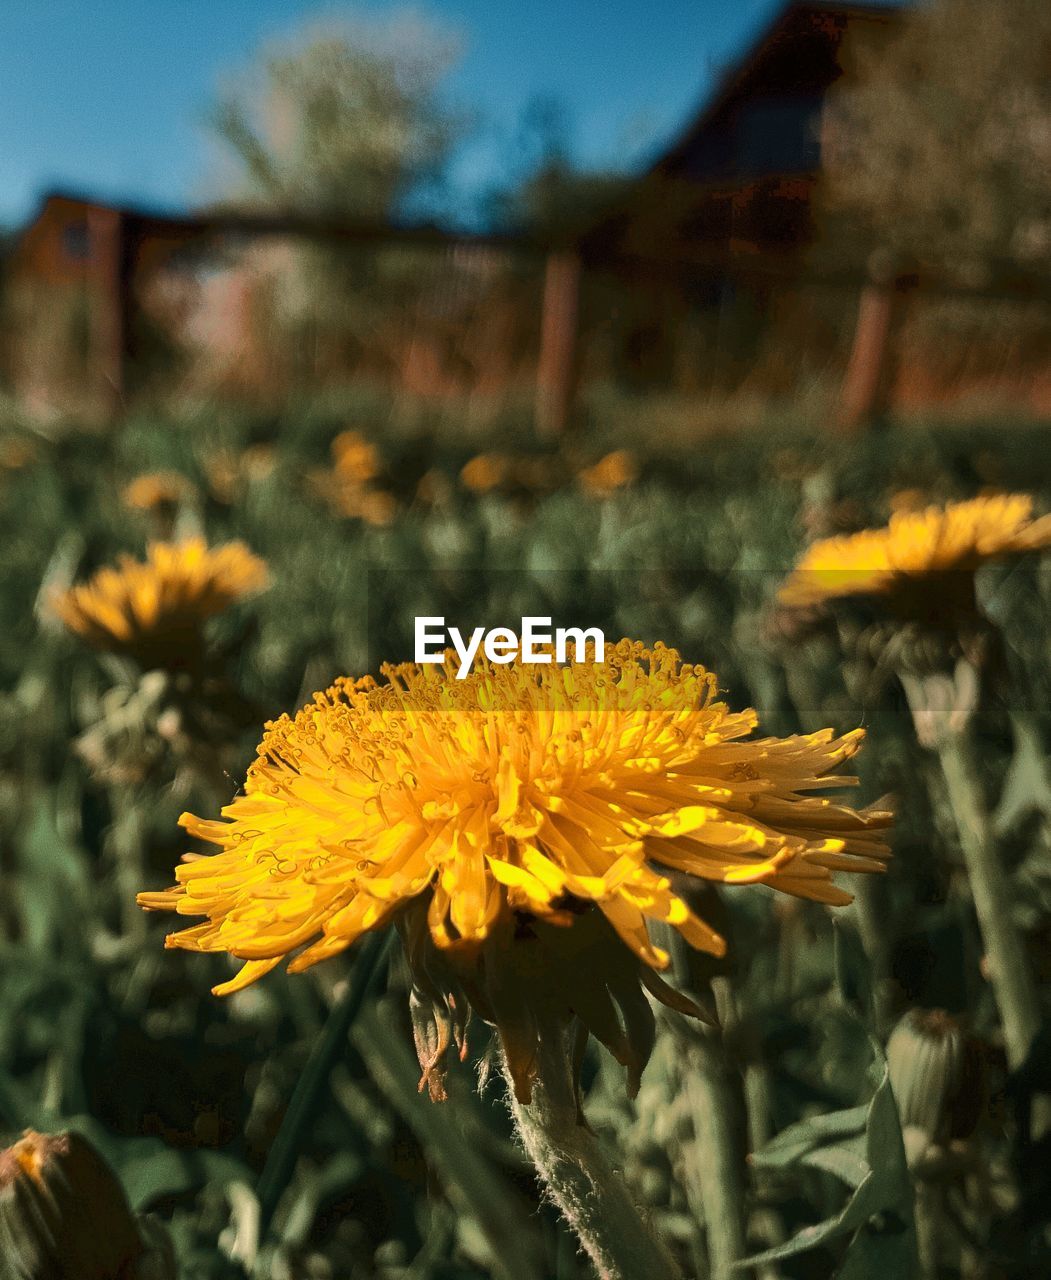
(156, 489)
(522, 829)
(258, 461)
(376, 507)
(228, 471)
(147, 609)
(908, 500)
(354, 458)
(485, 472)
(915, 547)
(615, 471)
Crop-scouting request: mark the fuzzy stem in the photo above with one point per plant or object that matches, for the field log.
(1009, 973)
(575, 1171)
(928, 1210)
(719, 1168)
(713, 1103)
(872, 919)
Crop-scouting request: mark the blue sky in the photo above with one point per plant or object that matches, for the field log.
(109, 97)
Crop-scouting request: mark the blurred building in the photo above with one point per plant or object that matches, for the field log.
(696, 278)
(701, 279)
(741, 175)
(102, 301)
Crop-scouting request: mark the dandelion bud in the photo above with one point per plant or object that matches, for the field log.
(927, 1056)
(64, 1215)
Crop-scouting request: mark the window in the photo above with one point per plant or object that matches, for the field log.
(778, 135)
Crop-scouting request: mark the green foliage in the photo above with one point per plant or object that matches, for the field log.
(862, 1148)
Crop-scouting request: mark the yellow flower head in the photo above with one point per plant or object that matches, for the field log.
(485, 472)
(376, 507)
(914, 548)
(354, 458)
(156, 489)
(522, 812)
(615, 471)
(149, 609)
(229, 471)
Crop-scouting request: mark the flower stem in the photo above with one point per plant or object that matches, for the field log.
(1009, 973)
(574, 1169)
(301, 1109)
(928, 1210)
(474, 1186)
(127, 840)
(872, 919)
(719, 1163)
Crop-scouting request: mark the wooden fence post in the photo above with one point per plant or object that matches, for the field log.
(111, 305)
(868, 382)
(556, 367)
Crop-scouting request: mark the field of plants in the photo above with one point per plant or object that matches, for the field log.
(280, 1131)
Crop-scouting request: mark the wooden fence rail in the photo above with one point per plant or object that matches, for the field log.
(121, 238)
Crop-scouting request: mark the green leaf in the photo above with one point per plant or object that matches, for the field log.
(845, 1162)
(869, 1157)
(52, 883)
(795, 1141)
(1026, 787)
(150, 1170)
(862, 1205)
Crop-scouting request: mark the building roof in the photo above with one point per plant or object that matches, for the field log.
(796, 20)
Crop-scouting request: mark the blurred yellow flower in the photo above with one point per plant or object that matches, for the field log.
(156, 489)
(463, 810)
(142, 607)
(352, 501)
(228, 470)
(347, 487)
(375, 506)
(485, 472)
(354, 458)
(615, 471)
(916, 545)
(258, 461)
(908, 500)
(223, 474)
(517, 473)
